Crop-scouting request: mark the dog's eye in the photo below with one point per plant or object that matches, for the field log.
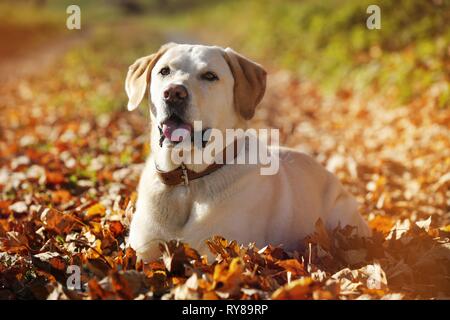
(210, 76)
(164, 71)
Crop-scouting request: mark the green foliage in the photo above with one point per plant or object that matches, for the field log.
(328, 41)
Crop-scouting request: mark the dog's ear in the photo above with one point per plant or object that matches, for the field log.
(138, 76)
(249, 82)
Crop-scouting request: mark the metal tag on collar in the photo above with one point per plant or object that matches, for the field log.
(184, 174)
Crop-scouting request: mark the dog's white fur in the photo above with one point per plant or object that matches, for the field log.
(235, 201)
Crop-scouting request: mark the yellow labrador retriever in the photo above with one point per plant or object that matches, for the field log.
(194, 201)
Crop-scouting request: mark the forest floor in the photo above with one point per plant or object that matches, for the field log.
(70, 159)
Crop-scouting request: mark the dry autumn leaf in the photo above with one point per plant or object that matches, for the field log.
(95, 210)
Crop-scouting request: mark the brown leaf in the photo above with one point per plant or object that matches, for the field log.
(61, 196)
(293, 266)
(5, 211)
(54, 177)
(176, 256)
(320, 236)
(58, 222)
(296, 290)
(116, 228)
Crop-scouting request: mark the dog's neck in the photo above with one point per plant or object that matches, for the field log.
(162, 155)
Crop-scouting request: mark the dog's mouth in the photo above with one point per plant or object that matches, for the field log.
(174, 130)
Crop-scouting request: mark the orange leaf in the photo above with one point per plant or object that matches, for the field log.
(61, 196)
(382, 224)
(96, 210)
(54, 177)
(296, 290)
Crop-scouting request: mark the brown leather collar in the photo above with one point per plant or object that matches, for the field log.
(183, 175)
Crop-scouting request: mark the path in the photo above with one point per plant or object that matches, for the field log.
(28, 60)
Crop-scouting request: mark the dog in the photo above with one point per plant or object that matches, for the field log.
(193, 202)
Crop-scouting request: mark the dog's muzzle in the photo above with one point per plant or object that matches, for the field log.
(174, 130)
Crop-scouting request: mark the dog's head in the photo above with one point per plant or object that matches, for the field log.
(188, 83)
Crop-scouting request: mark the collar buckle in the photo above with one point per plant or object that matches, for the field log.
(184, 175)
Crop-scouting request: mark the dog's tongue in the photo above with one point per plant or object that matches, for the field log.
(169, 127)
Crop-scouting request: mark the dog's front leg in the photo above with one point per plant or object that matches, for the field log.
(161, 212)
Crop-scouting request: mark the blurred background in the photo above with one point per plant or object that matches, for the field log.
(327, 43)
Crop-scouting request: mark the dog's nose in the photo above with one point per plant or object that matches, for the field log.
(175, 94)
